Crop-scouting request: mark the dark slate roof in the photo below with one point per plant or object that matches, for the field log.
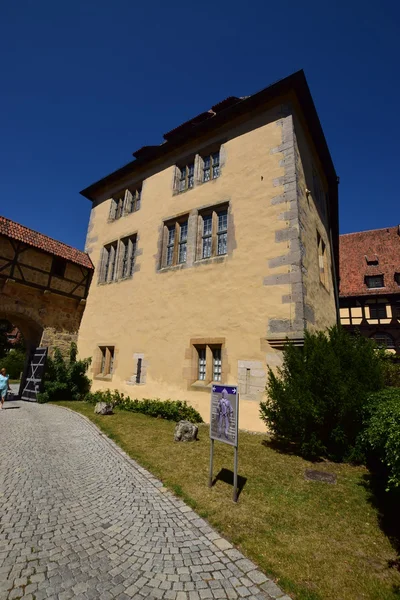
(375, 252)
(15, 231)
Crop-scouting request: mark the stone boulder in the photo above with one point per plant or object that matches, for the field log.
(102, 408)
(185, 431)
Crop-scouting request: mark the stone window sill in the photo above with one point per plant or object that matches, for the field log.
(211, 260)
(177, 267)
(103, 377)
(202, 385)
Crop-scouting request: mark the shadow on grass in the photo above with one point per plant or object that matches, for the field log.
(226, 475)
(289, 448)
(387, 505)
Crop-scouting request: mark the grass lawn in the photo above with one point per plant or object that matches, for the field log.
(318, 541)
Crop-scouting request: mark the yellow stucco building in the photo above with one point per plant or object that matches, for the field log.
(211, 249)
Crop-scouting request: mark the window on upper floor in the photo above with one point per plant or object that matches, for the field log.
(118, 260)
(377, 310)
(211, 166)
(213, 232)
(108, 263)
(175, 240)
(397, 278)
(125, 203)
(58, 266)
(117, 207)
(372, 259)
(127, 256)
(323, 262)
(374, 281)
(133, 200)
(185, 176)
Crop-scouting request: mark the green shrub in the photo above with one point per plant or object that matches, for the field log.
(316, 400)
(65, 379)
(13, 363)
(172, 410)
(382, 434)
(391, 370)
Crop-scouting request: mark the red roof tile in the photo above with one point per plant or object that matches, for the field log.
(18, 232)
(375, 252)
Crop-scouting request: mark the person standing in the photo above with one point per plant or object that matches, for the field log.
(4, 386)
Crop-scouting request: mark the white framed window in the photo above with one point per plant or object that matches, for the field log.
(209, 362)
(133, 200)
(185, 176)
(128, 255)
(175, 242)
(217, 363)
(108, 263)
(213, 232)
(211, 166)
(202, 363)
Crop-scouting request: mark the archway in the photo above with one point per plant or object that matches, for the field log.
(31, 329)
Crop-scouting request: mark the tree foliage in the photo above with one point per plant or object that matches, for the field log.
(13, 362)
(316, 399)
(65, 379)
(382, 433)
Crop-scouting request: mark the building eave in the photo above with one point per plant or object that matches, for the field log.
(296, 83)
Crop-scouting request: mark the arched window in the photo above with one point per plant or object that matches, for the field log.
(384, 340)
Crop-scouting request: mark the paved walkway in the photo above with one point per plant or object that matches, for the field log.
(79, 519)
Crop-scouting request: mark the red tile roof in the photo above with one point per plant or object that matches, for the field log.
(18, 232)
(359, 253)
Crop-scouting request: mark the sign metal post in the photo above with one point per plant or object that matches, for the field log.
(224, 425)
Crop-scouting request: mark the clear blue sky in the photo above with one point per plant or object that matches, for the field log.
(84, 83)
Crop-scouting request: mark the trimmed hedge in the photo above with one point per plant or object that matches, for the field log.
(172, 410)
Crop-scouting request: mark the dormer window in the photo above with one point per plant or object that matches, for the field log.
(372, 259)
(374, 281)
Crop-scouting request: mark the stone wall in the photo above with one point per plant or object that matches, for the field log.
(242, 301)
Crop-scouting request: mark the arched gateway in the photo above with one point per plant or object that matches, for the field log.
(43, 286)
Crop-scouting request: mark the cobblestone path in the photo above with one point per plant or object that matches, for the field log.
(79, 519)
